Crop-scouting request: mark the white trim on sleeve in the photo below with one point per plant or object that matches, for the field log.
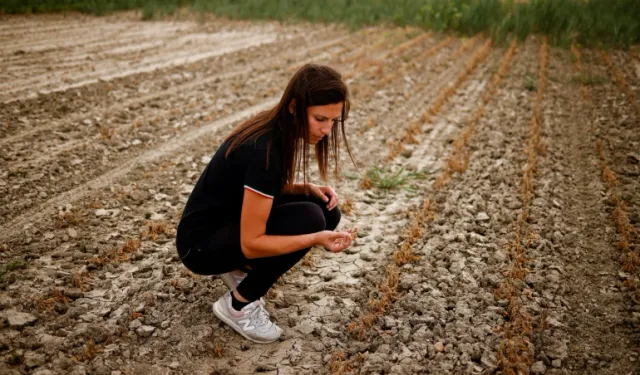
(257, 191)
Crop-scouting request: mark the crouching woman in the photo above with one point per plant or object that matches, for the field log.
(247, 220)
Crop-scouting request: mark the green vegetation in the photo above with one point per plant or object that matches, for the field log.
(589, 79)
(531, 82)
(588, 22)
(389, 180)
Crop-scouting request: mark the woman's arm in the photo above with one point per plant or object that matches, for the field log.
(255, 243)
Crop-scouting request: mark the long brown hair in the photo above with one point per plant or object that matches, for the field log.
(311, 85)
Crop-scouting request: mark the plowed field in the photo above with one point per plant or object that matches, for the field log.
(512, 247)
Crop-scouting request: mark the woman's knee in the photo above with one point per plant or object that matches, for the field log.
(315, 220)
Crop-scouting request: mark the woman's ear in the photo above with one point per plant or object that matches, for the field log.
(292, 106)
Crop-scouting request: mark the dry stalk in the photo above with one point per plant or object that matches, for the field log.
(106, 132)
(627, 233)
(346, 207)
(408, 44)
(80, 279)
(218, 350)
(423, 56)
(515, 351)
(47, 304)
(365, 65)
(357, 56)
(387, 289)
(154, 229)
(458, 160)
(67, 219)
(365, 183)
(466, 45)
(413, 232)
(618, 76)
(443, 98)
(341, 365)
(584, 90)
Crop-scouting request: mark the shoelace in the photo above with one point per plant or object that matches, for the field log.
(261, 316)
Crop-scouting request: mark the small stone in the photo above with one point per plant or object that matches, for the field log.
(145, 331)
(156, 217)
(19, 319)
(6, 302)
(135, 324)
(136, 142)
(101, 212)
(43, 371)
(366, 257)
(174, 365)
(557, 363)
(557, 350)
(80, 370)
(406, 153)
(489, 360)
(32, 359)
(49, 236)
(73, 293)
(72, 233)
(482, 216)
(101, 369)
(439, 347)
(538, 368)
(265, 368)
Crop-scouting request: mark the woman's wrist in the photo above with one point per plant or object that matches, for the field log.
(315, 238)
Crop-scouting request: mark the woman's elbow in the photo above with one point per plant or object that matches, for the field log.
(247, 249)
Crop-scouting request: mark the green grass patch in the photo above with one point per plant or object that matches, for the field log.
(15, 266)
(588, 79)
(531, 82)
(588, 22)
(387, 180)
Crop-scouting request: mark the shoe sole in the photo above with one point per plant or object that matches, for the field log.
(222, 316)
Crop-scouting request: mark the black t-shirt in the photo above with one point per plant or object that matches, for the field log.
(216, 199)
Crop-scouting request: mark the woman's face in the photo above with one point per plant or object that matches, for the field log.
(321, 119)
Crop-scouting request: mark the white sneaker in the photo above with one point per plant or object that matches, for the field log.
(232, 280)
(252, 321)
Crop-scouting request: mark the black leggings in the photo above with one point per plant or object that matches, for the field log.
(220, 252)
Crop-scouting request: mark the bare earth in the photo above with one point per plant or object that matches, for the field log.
(106, 124)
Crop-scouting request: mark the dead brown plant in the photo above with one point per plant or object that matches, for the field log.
(80, 280)
(106, 132)
(154, 229)
(346, 207)
(218, 349)
(91, 350)
(56, 296)
(515, 352)
(67, 219)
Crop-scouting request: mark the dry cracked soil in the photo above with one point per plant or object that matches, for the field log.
(106, 124)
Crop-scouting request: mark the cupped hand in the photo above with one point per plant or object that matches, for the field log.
(326, 193)
(334, 241)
